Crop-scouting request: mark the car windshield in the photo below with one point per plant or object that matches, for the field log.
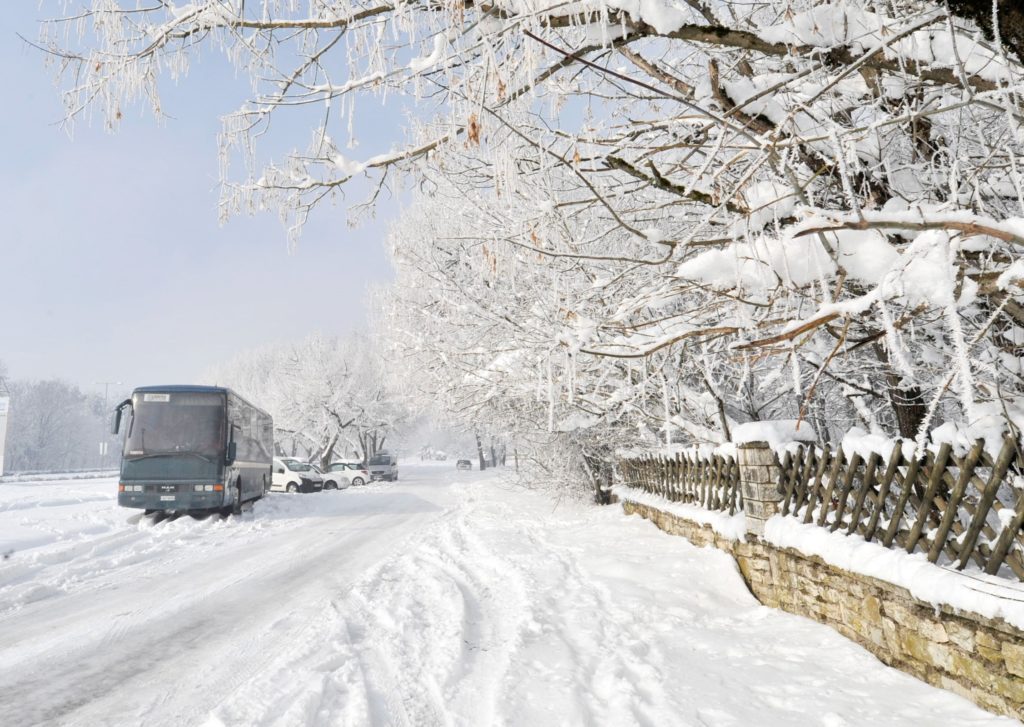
(176, 423)
(380, 459)
(297, 466)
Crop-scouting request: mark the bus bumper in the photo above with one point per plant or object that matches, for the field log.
(171, 501)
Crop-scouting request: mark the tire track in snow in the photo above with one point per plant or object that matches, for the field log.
(620, 682)
(423, 639)
(219, 624)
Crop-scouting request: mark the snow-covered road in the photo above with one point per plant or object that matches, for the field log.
(444, 599)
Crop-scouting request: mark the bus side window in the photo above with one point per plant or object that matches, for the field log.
(267, 440)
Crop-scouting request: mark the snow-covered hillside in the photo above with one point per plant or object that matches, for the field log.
(451, 598)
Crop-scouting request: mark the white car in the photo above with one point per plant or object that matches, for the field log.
(353, 473)
(291, 475)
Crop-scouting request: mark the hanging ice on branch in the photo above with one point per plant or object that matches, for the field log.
(820, 193)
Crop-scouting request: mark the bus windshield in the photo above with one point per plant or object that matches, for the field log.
(176, 423)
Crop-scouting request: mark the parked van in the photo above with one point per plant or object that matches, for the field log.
(383, 466)
(291, 475)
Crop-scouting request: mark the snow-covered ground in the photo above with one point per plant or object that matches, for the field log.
(448, 598)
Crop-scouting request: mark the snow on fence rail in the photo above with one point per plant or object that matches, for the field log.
(956, 509)
(711, 482)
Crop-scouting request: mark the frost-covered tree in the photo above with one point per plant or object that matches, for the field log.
(659, 217)
(326, 394)
(53, 425)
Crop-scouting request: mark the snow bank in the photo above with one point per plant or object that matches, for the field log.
(968, 591)
(733, 527)
(55, 476)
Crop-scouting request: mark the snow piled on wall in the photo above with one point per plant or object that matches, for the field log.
(987, 596)
(732, 527)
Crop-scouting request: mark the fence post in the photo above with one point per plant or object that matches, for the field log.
(759, 483)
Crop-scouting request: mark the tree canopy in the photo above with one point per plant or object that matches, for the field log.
(653, 216)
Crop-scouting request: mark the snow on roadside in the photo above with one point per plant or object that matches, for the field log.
(501, 607)
(513, 609)
(58, 536)
(971, 590)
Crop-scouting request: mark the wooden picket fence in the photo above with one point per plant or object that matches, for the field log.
(713, 483)
(955, 509)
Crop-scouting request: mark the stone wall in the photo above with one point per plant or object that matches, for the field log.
(982, 659)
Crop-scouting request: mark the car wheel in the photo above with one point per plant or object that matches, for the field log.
(358, 481)
(293, 487)
(330, 485)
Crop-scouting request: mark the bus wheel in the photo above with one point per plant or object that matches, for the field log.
(293, 487)
(236, 509)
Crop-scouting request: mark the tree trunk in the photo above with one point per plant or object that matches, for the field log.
(327, 453)
(908, 404)
(480, 452)
(599, 467)
(907, 401)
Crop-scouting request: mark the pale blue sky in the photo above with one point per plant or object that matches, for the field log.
(112, 264)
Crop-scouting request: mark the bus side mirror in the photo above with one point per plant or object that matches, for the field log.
(232, 451)
(115, 419)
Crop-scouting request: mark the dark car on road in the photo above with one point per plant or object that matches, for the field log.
(463, 464)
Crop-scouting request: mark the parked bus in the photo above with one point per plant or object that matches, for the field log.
(192, 448)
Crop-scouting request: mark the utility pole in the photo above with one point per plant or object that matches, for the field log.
(106, 392)
(4, 405)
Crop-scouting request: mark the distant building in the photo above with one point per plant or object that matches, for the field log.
(5, 400)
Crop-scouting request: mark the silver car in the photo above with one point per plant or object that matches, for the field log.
(383, 466)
